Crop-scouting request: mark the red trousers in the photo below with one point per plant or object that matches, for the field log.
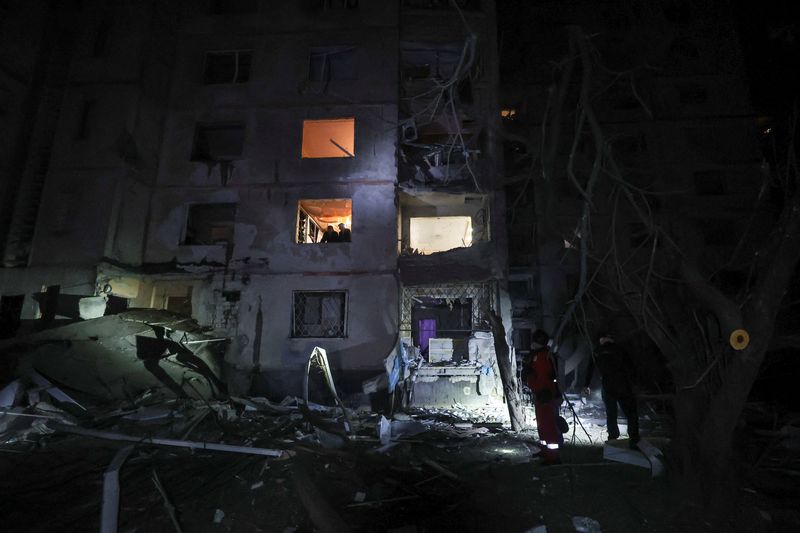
(549, 434)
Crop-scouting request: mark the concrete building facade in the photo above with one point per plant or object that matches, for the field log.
(201, 151)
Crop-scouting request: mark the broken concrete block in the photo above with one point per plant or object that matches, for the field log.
(384, 431)
(122, 355)
(538, 529)
(406, 428)
(53, 391)
(92, 307)
(440, 350)
(620, 451)
(11, 394)
(584, 524)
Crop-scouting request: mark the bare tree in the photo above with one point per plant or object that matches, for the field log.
(714, 338)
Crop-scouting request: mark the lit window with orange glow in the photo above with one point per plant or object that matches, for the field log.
(508, 113)
(324, 221)
(329, 138)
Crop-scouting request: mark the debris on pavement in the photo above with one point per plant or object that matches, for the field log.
(584, 524)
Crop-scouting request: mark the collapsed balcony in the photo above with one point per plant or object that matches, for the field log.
(441, 134)
(445, 328)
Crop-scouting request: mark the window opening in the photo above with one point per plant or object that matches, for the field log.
(438, 234)
(331, 63)
(210, 224)
(229, 66)
(329, 138)
(324, 221)
(442, 318)
(319, 314)
(218, 142)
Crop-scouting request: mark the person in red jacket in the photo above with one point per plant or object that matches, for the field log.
(541, 378)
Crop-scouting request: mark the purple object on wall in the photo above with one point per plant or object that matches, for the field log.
(427, 331)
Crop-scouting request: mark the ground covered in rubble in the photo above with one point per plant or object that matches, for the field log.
(426, 471)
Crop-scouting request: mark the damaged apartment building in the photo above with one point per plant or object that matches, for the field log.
(290, 174)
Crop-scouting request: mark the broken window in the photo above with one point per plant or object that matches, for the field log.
(324, 221)
(218, 142)
(448, 305)
(85, 119)
(319, 314)
(229, 66)
(233, 7)
(329, 138)
(438, 234)
(709, 182)
(181, 304)
(442, 318)
(330, 63)
(429, 60)
(209, 224)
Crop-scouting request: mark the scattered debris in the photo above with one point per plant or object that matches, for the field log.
(538, 529)
(110, 512)
(120, 356)
(584, 524)
(168, 442)
(620, 451)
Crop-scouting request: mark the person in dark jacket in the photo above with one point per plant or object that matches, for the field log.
(330, 235)
(344, 233)
(540, 376)
(616, 370)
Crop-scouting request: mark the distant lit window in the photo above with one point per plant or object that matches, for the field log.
(218, 142)
(509, 113)
(319, 314)
(438, 234)
(329, 138)
(330, 63)
(324, 221)
(210, 224)
(229, 66)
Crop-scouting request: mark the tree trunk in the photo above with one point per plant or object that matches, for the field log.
(507, 376)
